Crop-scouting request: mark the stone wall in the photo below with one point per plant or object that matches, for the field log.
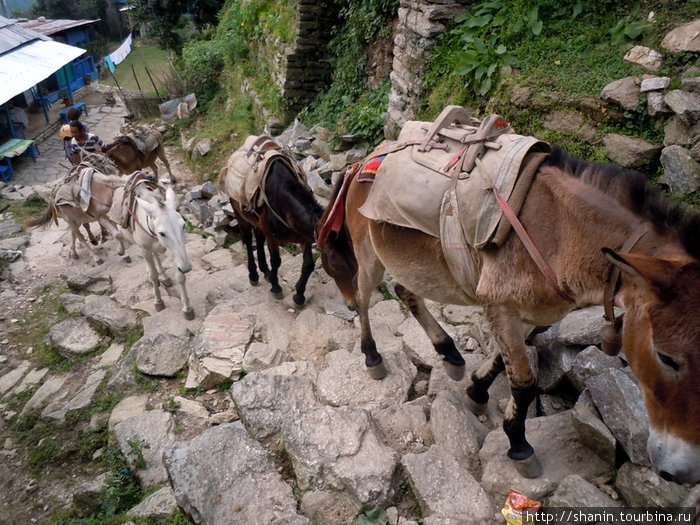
(420, 22)
(308, 68)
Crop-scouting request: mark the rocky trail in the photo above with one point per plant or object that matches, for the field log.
(257, 412)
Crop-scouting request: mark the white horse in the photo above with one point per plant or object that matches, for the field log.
(147, 215)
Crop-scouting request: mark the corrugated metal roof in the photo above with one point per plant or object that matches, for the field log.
(13, 35)
(51, 27)
(28, 65)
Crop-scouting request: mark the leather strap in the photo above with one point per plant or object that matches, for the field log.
(614, 277)
(530, 246)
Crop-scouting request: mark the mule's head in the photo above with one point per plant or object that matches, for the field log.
(338, 260)
(169, 228)
(661, 338)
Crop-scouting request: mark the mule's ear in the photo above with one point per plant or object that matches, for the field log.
(647, 272)
(170, 198)
(151, 209)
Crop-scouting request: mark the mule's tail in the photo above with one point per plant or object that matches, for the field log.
(45, 220)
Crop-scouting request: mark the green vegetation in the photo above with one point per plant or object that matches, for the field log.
(142, 56)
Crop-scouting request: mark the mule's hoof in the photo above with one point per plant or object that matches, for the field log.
(377, 371)
(167, 282)
(528, 468)
(98, 261)
(160, 306)
(126, 258)
(478, 409)
(455, 372)
(255, 282)
(299, 301)
(278, 295)
(74, 256)
(93, 242)
(189, 314)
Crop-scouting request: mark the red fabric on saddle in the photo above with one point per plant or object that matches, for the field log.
(334, 221)
(369, 170)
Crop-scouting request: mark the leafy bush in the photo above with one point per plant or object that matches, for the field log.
(202, 63)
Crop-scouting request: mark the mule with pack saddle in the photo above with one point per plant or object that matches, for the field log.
(138, 150)
(84, 196)
(273, 202)
(469, 213)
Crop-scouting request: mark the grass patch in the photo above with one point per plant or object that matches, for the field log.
(142, 56)
(23, 210)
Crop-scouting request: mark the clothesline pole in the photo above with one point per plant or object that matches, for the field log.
(116, 83)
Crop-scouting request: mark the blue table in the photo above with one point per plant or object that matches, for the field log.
(14, 148)
(78, 105)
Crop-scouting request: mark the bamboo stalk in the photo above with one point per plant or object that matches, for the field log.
(143, 98)
(121, 93)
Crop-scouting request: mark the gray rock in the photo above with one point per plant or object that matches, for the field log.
(558, 448)
(218, 348)
(8, 228)
(683, 38)
(142, 440)
(684, 104)
(265, 399)
(656, 105)
(567, 122)
(346, 383)
(338, 308)
(45, 393)
(456, 430)
(224, 476)
(554, 364)
(159, 505)
(162, 355)
(681, 172)
(620, 404)
(445, 489)
(107, 314)
(83, 398)
(691, 84)
(629, 152)
(645, 57)
(72, 302)
(678, 132)
(260, 356)
(624, 92)
(73, 337)
(642, 487)
(87, 498)
(582, 327)
(337, 448)
(329, 507)
(574, 491)
(14, 376)
(654, 84)
(592, 432)
(405, 427)
(589, 362)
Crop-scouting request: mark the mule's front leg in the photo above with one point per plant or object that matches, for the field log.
(369, 275)
(275, 261)
(187, 309)
(307, 267)
(443, 343)
(508, 330)
(247, 238)
(260, 241)
(75, 234)
(153, 276)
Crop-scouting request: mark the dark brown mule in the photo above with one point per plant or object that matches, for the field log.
(290, 214)
(129, 158)
(579, 215)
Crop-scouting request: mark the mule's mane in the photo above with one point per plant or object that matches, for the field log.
(633, 191)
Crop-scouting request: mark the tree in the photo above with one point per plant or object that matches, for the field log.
(73, 10)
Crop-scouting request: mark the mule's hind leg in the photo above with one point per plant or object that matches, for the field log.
(161, 156)
(75, 234)
(275, 262)
(260, 241)
(443, 343)
(247, 238)
(108, 226)
(91, 237)
(508, 330)
(307, 267)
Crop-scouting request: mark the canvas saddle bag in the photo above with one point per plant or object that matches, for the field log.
(247, 168)
(441, 184)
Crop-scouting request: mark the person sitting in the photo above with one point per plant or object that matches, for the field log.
(83, 142)
(19, 117)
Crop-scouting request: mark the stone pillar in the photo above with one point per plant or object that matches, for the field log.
(419, 24)
(308, 68)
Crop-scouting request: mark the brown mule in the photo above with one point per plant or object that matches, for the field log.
(579, 215)
(128, 157)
